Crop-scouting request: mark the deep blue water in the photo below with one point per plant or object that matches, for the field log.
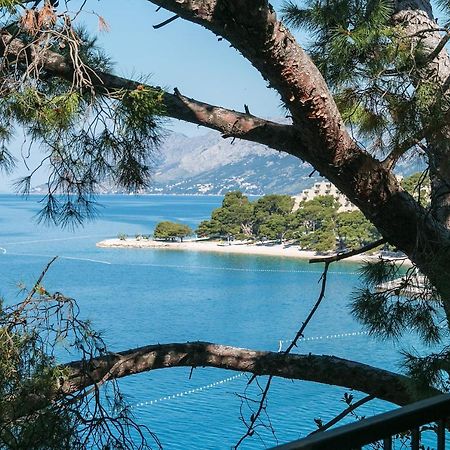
(140, 297)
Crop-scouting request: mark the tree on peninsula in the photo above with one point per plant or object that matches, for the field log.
(171, 231)
(376, 70)
(234, 219)
(271, 216)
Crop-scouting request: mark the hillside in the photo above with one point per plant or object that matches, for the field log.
(211, 165)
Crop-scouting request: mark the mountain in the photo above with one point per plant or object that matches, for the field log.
(211, 165)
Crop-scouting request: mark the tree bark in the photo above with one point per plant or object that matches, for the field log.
(324, 369)
(322, 136)
(421, 29)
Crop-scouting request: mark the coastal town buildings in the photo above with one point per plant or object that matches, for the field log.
(324, 187)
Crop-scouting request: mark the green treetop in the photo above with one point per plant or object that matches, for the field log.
(233, 218)
(271, 214)
(170, 231)
(276, 226)
(354, 230)
(315, 223)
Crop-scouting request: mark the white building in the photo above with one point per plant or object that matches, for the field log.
(324, 188)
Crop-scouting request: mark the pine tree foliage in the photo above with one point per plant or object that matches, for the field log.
(34, 413)
(376, 72)
(373, 68)
(86, 136)
(394, 301)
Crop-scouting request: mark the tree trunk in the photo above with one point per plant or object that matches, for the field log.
(416, 18)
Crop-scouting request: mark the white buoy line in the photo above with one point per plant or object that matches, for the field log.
(179, 266)
(320, 338)
(37, 241)
(188, 392)
(39, 255)
(231, 269)
(235, 377)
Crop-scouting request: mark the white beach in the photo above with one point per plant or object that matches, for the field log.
(276, 250)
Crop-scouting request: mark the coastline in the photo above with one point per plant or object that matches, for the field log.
(275, 250)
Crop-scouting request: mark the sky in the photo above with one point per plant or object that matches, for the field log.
(181, 55)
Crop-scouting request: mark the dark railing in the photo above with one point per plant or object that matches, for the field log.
(383, 428)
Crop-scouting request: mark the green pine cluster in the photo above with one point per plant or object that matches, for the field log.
(315, 225)
(374, 70)
(86, 135)
(171, 231)
(394, 301)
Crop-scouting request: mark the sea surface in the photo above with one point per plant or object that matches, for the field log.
(138, 297)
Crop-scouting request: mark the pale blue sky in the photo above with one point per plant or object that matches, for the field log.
(181, 55)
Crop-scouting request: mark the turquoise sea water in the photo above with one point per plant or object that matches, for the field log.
(140, 297)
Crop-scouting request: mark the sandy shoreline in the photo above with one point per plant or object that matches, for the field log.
(278, 250)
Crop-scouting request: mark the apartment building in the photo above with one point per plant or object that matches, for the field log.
(324, 188)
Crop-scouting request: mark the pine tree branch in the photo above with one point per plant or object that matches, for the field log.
(166, 22)
(323, 369)
(341, 256)
(33, 291)
(435, 53)
(228, 122)
(391, 160)
(401, 148)
(344, 414)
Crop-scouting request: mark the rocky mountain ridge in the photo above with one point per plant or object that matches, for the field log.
(211, 165)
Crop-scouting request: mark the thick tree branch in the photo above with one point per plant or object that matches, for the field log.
(177, 106)
(253, 29)
(330, 370)
(435, 53)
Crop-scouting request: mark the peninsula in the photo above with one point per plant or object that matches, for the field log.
(243, 248)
